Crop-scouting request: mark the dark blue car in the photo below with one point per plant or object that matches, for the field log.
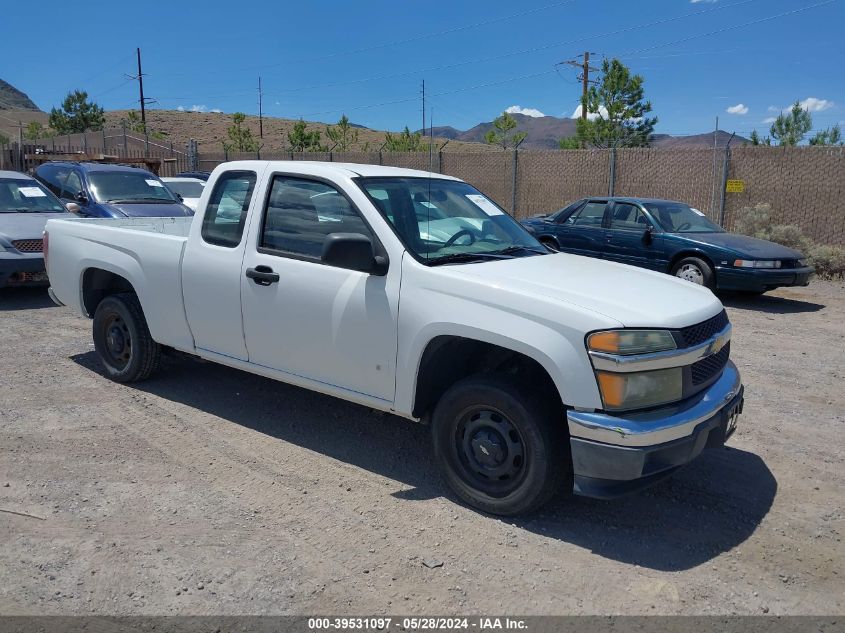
(670, 237)
(105, 190)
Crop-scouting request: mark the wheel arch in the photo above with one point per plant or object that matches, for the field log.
(449, 358)
(691, 252)
(99, 283)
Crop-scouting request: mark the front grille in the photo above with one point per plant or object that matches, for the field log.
(696, 334)
(706, 368)
(29, 246)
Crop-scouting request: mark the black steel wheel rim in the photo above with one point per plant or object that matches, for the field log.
(490, 452)
(117, 341)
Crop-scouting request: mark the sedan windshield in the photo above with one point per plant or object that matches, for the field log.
(676, 217)
(127, 186)
(447, 221)
(23, 195)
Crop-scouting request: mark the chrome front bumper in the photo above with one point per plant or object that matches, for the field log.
(616, 454)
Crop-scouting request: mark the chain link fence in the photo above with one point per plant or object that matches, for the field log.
(805, 186)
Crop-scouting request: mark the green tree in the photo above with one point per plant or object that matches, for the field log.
(34, 130)
(791, 127)
(4, 140)
(830, 136)
(134, 122)
(757, 140)
(616, 110)
(343, 135)
(240, 137)
(504, 132)
(569, 142)
(301, 139)
(405, 141)
(77, 114)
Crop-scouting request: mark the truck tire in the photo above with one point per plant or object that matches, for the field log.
(696, 271)
(498, 446)
(122, 339)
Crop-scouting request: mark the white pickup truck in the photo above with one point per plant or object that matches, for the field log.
(415, 294)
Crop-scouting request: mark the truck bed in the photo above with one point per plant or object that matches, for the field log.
(146, 251)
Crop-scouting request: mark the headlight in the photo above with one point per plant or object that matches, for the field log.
(626, 342)
(756, 263)
(641, 389)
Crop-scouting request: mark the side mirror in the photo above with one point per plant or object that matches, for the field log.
(81, 198)
(179, 197)
(72, 207)
(648, 235)
(354, 252)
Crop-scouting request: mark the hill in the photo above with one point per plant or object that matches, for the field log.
(13, 99)
(545, 132)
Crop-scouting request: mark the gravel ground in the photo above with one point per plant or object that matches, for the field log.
(211, 491)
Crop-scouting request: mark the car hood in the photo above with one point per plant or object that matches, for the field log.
(634, 297)
(153, 210)
(743, 245)
(26, 226)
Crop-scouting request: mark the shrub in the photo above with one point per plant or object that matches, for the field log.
(829, 261)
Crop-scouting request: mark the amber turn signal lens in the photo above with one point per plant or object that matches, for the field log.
(605, 342)
(612, 388)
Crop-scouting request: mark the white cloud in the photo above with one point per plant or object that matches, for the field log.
(739, 108)
(707, 1)
(533, 112)
(181, 108)
(816, 105)
(198, 108)
(216, 110)
(773, 109)
(770, 119)
(590, 115)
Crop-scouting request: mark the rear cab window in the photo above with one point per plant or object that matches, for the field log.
(226, 212)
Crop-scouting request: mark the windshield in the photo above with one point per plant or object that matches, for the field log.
(185, 188)
(127, 186)
(447, 221)
(23, 195)
(676, 217)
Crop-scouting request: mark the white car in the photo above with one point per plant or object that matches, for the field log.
(188, 189)
(414, 293)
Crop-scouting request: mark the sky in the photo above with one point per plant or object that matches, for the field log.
(741, 60)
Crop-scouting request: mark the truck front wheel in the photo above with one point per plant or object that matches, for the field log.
(499, 447)
(122, 339)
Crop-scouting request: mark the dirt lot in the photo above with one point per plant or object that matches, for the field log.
(211, 491)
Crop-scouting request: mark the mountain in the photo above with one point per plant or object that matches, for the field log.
(545, 132)
(13, 99)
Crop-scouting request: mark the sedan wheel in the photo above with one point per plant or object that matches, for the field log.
(691, 272)
(695, 270)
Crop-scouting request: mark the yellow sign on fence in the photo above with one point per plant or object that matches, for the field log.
(735, 186)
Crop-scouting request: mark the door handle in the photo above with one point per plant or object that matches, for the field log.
(262, 275)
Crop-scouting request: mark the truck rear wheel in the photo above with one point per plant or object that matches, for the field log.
(122, 339)
(499, 449)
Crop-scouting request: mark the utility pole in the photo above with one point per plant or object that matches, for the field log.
(585, 69)
(141, 90)
(423, 106)
(260, 111)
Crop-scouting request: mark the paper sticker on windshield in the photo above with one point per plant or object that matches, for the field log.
(696, 211)
(32, 192)
(154, 183)
(484, 204)
(428, 204)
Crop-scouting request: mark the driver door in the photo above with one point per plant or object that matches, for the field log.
(630, 238)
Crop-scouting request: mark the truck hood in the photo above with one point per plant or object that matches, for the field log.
(743, 245)
(26, 226)
(634, 297)
(154, 210)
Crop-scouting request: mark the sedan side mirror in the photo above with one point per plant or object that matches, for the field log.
(72, 207)
(353, 251)
(81, 198)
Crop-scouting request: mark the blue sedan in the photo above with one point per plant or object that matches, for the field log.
(673, 238)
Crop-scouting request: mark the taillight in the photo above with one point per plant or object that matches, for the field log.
(46, 248)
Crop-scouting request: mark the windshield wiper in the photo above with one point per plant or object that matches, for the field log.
(25, 210)
(138, 200)
(465, 258)
(512, 250)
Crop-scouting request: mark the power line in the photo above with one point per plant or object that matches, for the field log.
(497, 57)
